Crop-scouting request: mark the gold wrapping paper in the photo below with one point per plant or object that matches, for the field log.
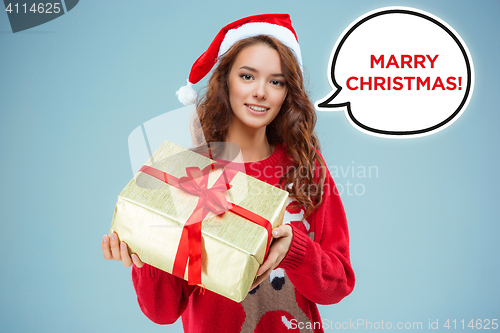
(149, 217)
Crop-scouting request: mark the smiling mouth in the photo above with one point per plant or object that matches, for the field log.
(257, 108)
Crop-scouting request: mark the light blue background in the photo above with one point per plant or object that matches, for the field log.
(424, 235)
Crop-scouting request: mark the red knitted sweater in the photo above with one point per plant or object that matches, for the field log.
(316, 269)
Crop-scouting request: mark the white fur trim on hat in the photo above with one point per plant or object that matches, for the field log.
(261, 28)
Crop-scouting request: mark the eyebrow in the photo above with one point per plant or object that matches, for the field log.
(251, 69)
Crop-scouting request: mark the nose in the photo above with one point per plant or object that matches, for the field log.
(260, 91)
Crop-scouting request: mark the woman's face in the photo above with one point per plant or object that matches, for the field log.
(257, 87)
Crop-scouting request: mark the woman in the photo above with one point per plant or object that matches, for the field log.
(256, 99)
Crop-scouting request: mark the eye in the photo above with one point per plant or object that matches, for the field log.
(278, 83)
(246, 77)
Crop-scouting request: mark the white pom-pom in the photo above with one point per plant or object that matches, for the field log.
(186, 94)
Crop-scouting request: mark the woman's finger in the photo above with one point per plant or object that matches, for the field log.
(127, 262)
(137, 261)
(273, 254)
(260, 278)
(115, 248)
(106, 250)
(282, 231)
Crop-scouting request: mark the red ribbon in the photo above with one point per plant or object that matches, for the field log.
(210, 199)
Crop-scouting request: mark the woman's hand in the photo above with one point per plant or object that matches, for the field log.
(113, 249)
(283, 239)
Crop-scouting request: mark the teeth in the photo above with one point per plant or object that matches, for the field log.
(257, 108)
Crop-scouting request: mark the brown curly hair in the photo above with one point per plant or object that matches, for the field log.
(293, 126)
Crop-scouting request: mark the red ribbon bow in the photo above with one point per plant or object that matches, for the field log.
(196, 182)
(211, 199)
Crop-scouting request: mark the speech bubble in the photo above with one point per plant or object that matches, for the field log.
(399, 72)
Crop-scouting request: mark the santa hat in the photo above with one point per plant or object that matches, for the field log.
(278, 26)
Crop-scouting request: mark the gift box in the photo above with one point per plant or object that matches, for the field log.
(199, 219)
